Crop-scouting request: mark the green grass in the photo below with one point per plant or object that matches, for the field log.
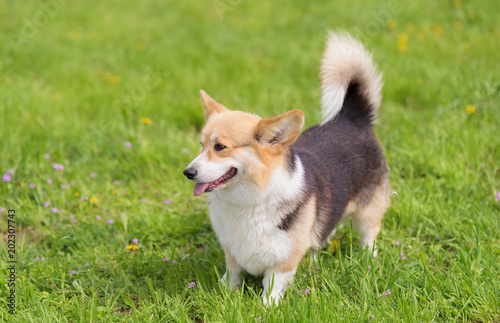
(76, 83)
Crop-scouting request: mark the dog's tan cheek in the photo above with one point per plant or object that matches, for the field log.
(256, 171)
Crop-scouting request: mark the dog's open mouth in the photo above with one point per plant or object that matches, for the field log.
(201, 188)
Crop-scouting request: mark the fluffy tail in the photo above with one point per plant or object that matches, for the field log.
(350, 82)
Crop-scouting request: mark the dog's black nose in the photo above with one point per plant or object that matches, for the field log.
(190, 173)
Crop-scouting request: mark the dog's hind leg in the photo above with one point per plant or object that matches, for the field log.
(368, 218)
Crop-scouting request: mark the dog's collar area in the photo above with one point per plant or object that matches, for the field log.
(201, 188)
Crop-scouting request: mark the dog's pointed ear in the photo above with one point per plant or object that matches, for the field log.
(280, 130)
(211, 106)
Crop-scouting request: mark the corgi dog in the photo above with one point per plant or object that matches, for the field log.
(273, 195)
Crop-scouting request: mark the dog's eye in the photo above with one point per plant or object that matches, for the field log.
(219, 147)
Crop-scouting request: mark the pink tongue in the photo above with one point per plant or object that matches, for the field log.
(199, 188)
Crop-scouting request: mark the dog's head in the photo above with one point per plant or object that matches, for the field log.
(238, 147)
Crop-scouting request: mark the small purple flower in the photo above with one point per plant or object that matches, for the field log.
(49, 181)
(42, 259)
(388, 292)
(311, 266)
(397, 242)
(403, 257)
(135, 240)
(379, 295)
(87, 263)
(373, 315)
(110, 221)
(167, 201)
(46, 204)
(307, 291)
(97, 217)
(369, 267)
(2, 210)
(73, 272)
(55, 210)
(46, 156)
(6, 178)
(438, 239)
(317, 268)
(64, 186)
(58, 166)
(10, 172)
(143, 199)
(32, 185)
(128, 144)
(482, 165)
(411, 230)
(92, 175)
(191, 284)
(72, 216)
(166, 259)
(174, 261)
(116, 182)
(36, 258)
(497, 197)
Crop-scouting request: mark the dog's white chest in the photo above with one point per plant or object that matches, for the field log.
(250, 234)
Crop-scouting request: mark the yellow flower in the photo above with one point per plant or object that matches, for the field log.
(132, 247)
(139, 45)
(402, 47)
(403, 42)
(392, 24)
(458, 25)
(113, 79)
(56, 96)
(410, 26)
(335, 245)
(496, 33)
(146, 121)
(77, 194)
(419, 80)
(437, 30)
(457, 4)
(421, 36)
(74, 35)
(28, 116)
(403, 38)
(44, 292)
(470, 109)
(113, 192)
(94, 199)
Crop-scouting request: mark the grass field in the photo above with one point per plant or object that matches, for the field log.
(100, 113)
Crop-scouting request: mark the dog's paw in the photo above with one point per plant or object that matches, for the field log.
(234, 282)
(272, 300)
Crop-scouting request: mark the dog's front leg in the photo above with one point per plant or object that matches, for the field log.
(275, 284)
(233, 271)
